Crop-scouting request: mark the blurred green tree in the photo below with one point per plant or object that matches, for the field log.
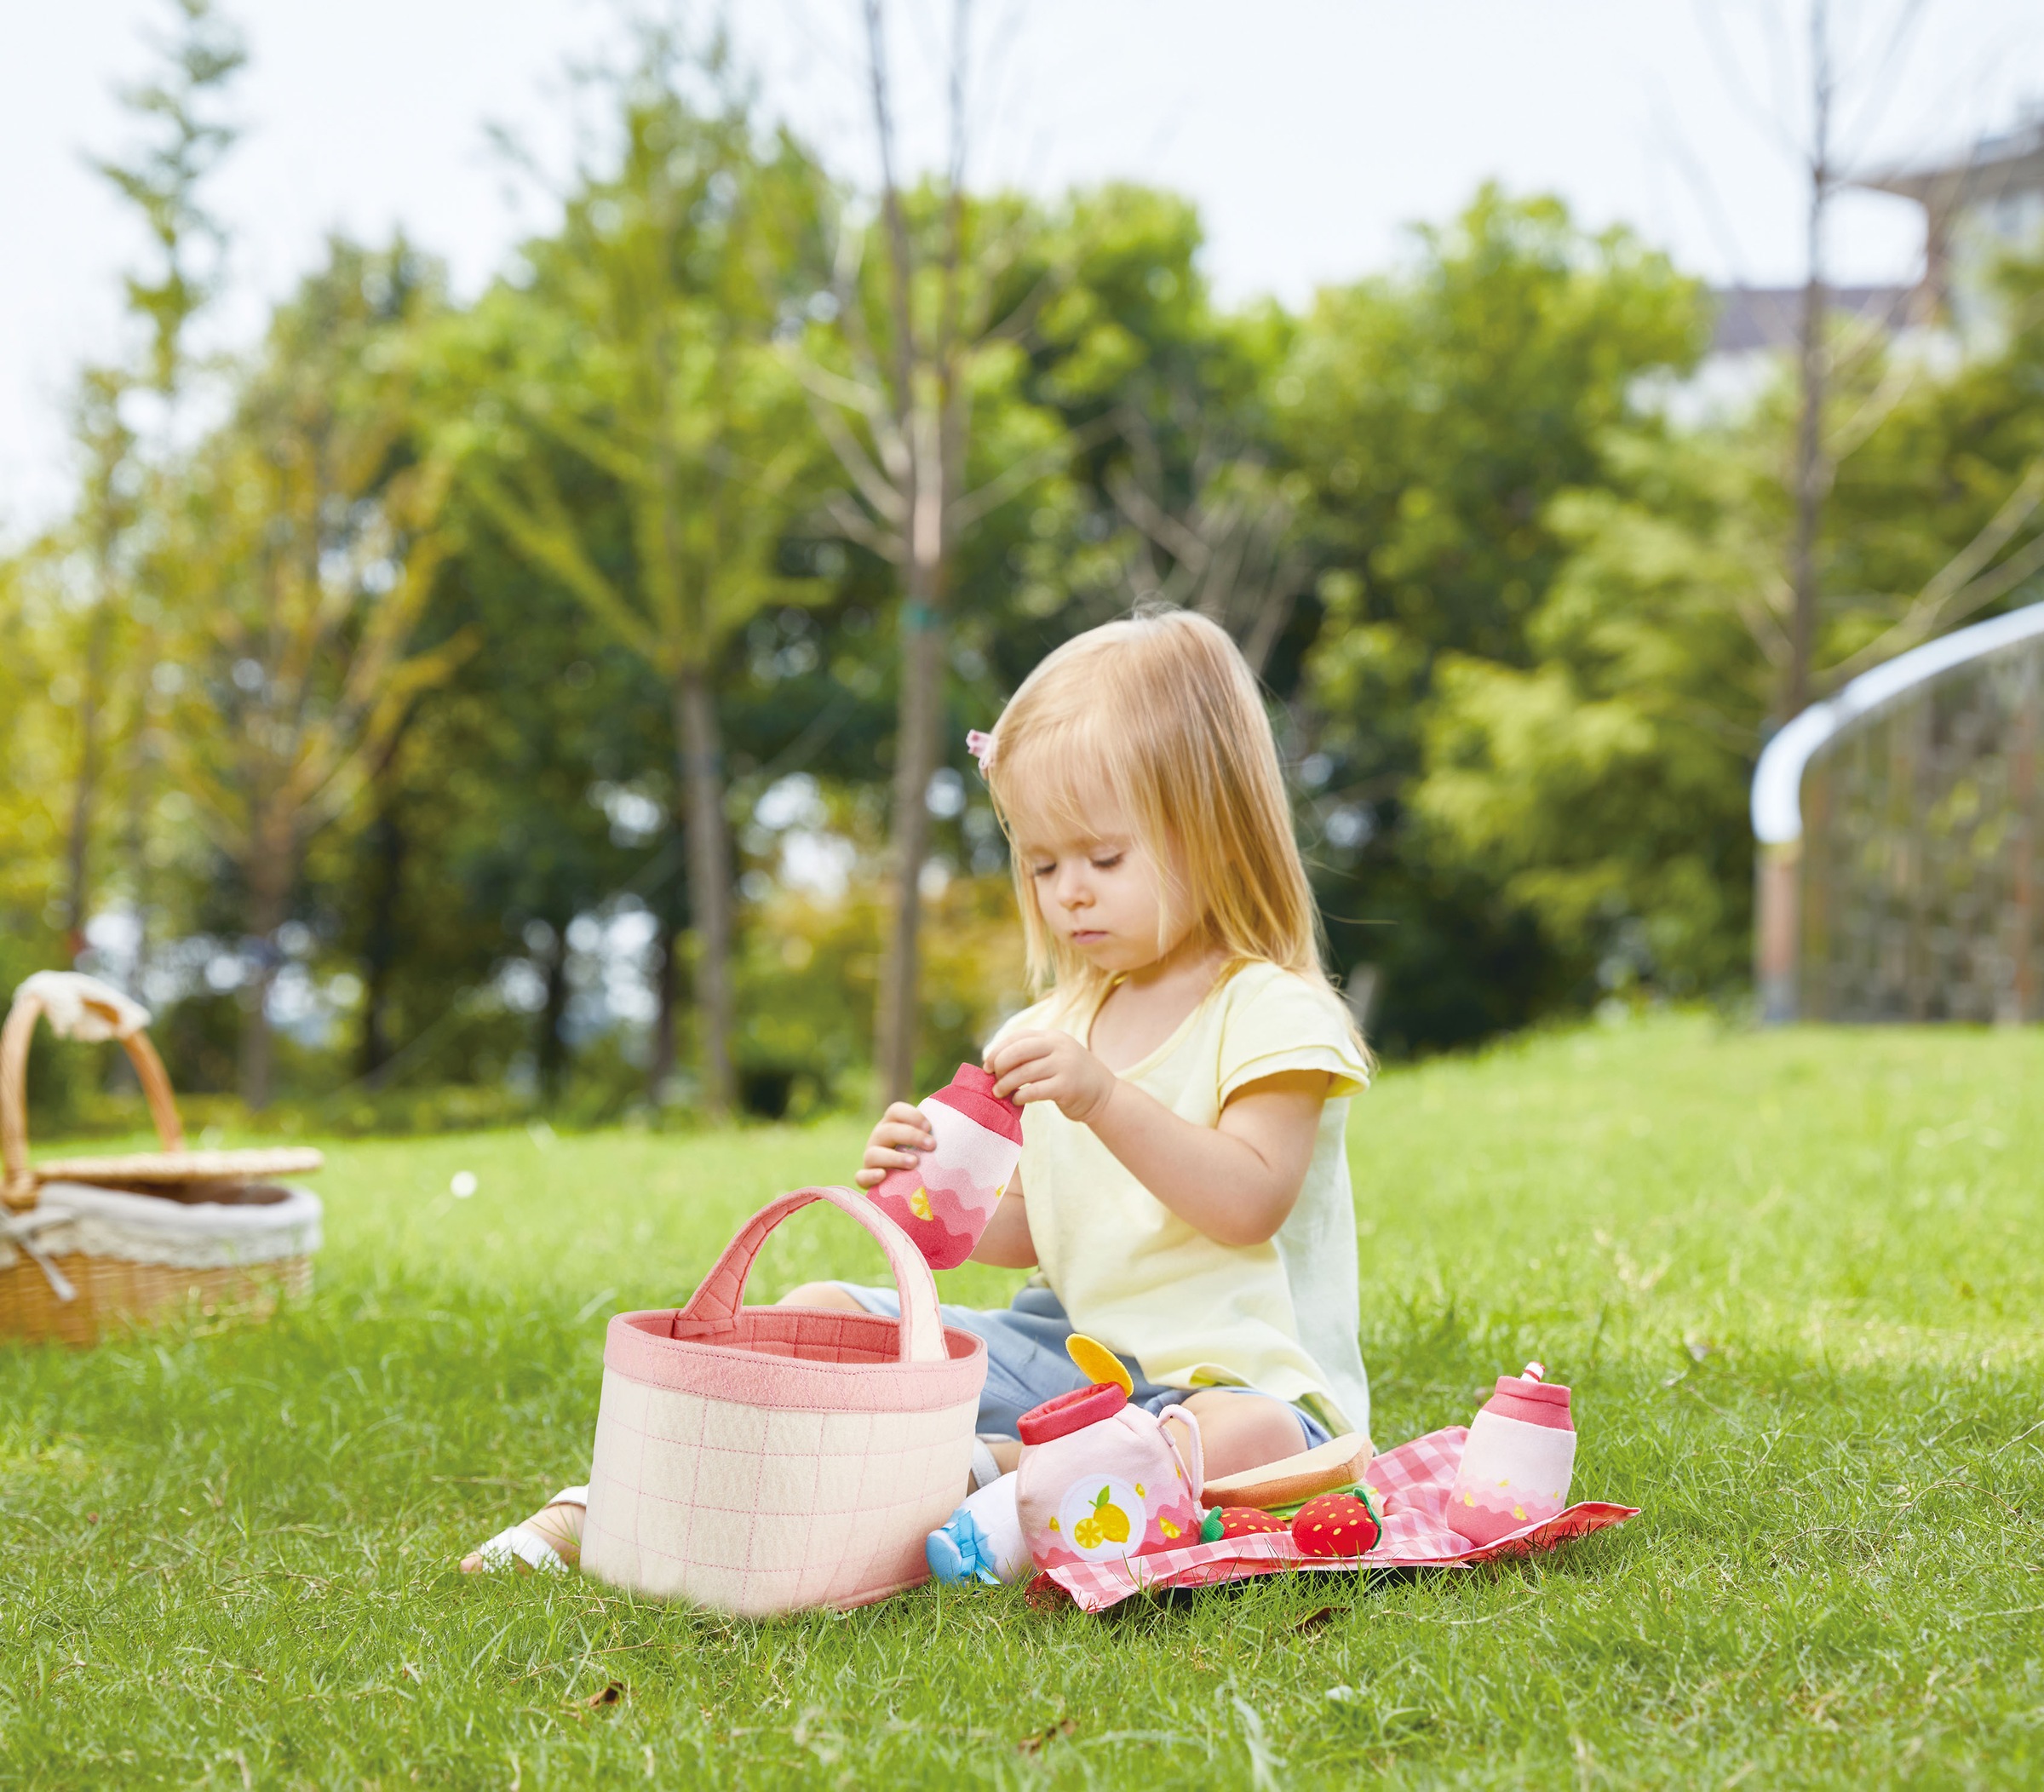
(184, 139)
(642, 344)
(108, 509)
(1603, 786)
(1435, 416)
(308, 533)
(1938, 477)
(914, 367)
(33, 758)
(481, 842)
(1601, 789)
(635, 614)
(1182, 501)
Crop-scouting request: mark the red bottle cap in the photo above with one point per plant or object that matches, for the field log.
(1531, 1403)
(1070, 1412)
(971, 1093)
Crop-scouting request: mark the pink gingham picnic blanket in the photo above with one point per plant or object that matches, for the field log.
(1414, 1481)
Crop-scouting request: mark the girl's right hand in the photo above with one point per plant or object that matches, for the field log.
(901, 1134)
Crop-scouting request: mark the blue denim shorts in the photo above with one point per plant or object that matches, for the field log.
(1026, 1364)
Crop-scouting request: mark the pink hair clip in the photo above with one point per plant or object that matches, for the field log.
(981, 747)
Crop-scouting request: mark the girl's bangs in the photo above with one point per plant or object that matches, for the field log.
(1057, 772)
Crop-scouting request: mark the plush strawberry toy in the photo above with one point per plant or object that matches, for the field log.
(1336, 1524)
(1233, 1521)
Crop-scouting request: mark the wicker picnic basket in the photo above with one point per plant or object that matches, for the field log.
(88, 1244)
(767, 1459)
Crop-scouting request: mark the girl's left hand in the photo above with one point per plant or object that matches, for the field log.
(1052, 1067)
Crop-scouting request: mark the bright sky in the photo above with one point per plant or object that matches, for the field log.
(1309, 131)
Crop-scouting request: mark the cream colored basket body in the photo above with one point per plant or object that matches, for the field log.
(90, 1243)
(767, 1459)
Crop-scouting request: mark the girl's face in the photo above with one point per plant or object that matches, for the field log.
(1099, 889)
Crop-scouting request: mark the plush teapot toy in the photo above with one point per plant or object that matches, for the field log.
(1101, 1480)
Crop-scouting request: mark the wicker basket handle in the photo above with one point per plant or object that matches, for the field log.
(714, 1306)
(79, 1007)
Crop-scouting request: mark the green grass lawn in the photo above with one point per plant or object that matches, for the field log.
(1795, 1280)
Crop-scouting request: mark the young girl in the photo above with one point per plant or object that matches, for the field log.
(1183, 1192)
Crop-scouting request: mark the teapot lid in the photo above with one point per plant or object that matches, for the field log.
(1070, 1412)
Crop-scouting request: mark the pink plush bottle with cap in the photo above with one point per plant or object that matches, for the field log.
(1516, 1467)
(944, 1202)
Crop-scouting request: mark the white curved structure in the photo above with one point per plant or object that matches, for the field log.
(1777, 780)
(1777, 785)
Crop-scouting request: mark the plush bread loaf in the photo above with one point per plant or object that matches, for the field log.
(1340, 1462)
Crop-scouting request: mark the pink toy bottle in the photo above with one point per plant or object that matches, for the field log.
(1516, 1467)
(944, 1202)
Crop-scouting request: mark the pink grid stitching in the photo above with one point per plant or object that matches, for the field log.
(894, 1494)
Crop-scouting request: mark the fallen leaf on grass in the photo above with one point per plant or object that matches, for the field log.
(1314, 1620)
(610, 1696)
(1034, 1744)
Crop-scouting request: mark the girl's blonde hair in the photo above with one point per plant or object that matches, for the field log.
(1163, 710)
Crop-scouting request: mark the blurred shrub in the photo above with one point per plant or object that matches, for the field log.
(806, 991)
(200, 1039)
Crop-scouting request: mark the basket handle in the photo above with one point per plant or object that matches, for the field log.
(79, 1007)
(714, 1306)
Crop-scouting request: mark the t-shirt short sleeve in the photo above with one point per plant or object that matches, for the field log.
(1278, 1021)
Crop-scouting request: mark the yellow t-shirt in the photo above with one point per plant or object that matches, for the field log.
(1281, 1315)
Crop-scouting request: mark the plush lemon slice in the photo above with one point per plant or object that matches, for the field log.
(1097, 1363)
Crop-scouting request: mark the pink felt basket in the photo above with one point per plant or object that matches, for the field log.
(767, 1459)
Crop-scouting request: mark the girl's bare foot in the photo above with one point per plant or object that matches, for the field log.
(557, 1524)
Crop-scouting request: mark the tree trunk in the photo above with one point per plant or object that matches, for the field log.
(709, 881)
(1812, 465)
(1812, 477)
(134, 847)
(269, 874)
(379, 943)
(666, 977)
(84, 792)
(914, 762)
(140, 783)
(552, 1053)
(389, 846)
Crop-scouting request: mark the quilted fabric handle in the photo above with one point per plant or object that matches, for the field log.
(716, 1304)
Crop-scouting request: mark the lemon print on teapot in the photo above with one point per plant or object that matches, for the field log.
(1102, 1516)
